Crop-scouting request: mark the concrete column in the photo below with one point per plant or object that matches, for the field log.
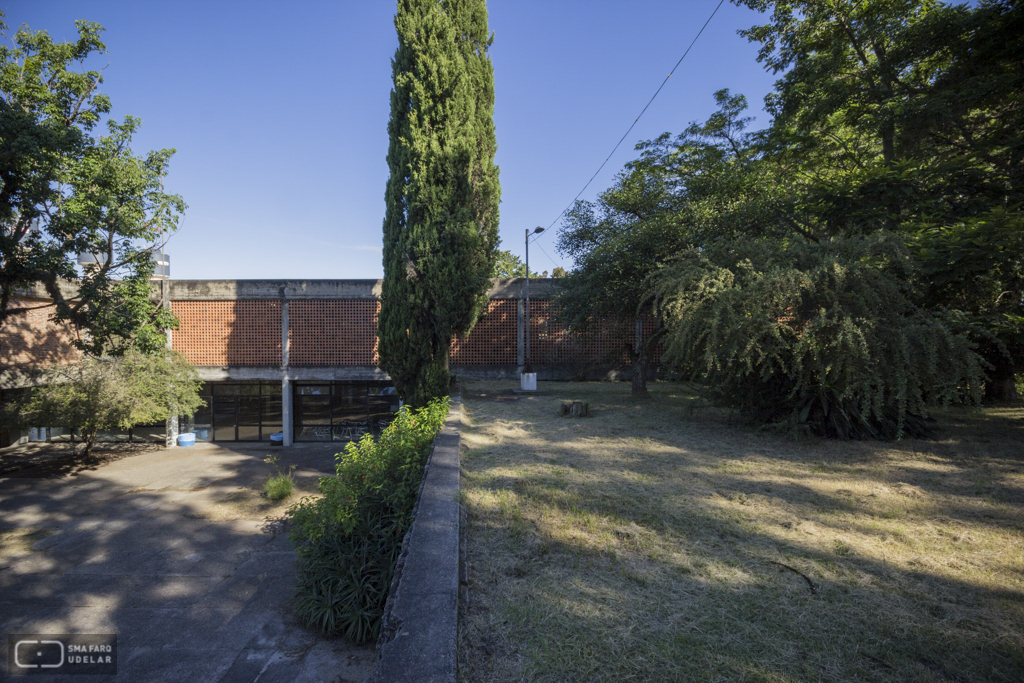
(171, 433)
(286, 383)
(520, 333)
(286, 411)
(171, 427)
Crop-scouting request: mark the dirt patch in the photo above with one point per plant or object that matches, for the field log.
(669, 540)
(250, 502)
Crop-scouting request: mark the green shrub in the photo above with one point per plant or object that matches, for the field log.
(825, 337)
(278, 487)
(348, 540)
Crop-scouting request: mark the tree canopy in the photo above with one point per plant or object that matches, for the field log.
(64, 192)
(882, 203)
(111, 393)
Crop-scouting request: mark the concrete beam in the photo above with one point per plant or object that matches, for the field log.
(273, 373)
(230, 290)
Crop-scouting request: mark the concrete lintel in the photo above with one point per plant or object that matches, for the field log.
(226, 290)
(339, 373)
(229, 290)
(424, 602)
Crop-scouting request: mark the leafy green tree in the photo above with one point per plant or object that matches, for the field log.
(906, 116)
(617, 245)
(112, 393)
(507, 264)
(64, 192)
(441, 221)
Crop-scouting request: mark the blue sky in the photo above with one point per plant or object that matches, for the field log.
(279, 110)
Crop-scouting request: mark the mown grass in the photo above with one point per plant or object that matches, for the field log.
(663, 541)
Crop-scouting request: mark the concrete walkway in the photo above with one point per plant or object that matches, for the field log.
(134, 552)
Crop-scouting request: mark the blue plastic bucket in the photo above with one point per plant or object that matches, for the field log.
(277, 439)
(187, 439)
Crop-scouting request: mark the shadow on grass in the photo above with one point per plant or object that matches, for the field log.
(644, 548)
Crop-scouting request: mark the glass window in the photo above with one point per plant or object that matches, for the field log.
(152, 433)
(271, 415)
(313, 389)
(249, 389)
(203, 421)
(224, 409)
(249, 418)
(312, 418)
(225, 389)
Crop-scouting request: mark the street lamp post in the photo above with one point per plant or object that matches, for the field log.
(535, 231)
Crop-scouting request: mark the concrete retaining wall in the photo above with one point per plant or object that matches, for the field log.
(418, 636)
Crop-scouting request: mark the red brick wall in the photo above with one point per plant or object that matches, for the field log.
(228, 332)
(31, 339)
(493, 340)
(333, 332)
(343, 332)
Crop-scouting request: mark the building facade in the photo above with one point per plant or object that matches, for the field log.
(299, 357)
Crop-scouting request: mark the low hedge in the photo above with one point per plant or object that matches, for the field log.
(348, 540)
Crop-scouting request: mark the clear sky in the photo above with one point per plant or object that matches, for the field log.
(278, 112)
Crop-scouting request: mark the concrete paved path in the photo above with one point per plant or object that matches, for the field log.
(133, 552)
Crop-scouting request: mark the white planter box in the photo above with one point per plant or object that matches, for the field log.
(528, 381)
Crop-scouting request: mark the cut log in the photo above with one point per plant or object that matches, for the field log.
(574, 409)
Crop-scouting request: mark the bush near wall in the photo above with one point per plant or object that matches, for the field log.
(348, 540)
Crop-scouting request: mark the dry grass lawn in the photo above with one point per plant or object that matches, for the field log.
(663, 541)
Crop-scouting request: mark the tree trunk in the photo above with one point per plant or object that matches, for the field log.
(89, 438)
(1001, 383)
(639, 388)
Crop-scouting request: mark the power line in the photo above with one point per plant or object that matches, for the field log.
(637, 118)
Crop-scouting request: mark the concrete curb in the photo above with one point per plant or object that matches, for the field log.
(418, 634)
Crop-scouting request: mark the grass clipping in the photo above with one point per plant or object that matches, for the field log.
(661, 542)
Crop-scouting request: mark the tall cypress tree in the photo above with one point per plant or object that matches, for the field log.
(441, 220)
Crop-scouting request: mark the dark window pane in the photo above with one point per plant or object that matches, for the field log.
(270, 388)
(153, 433)
(313, 389)
(349, 430)
(204, 389)
(249, 389)
(313, 418)
(224, 418)
(271, 415)
(203, 421)
(249, 418)
(344, 409)
(224, 389)
(383, 406)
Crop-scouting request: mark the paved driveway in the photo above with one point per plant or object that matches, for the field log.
(132, 548)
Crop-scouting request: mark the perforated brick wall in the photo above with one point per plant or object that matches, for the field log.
(493, 340)
(552, 344)
(31, 339)
(243, 332)
(333, 332)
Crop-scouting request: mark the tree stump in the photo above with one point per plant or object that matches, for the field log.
(574, 409)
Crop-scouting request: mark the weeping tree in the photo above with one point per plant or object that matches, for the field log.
(441, 221)
(825, 337)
